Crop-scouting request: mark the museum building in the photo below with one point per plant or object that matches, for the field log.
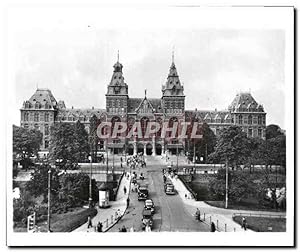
(42, 110)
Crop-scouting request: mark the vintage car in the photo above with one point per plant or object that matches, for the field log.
(143, 193)
(149, 205)
(169, 189)
(147, 218)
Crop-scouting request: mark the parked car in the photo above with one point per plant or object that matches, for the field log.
(149, 205)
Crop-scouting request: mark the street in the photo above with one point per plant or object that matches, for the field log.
(170, 212)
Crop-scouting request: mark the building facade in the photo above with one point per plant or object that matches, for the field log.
(42, 110)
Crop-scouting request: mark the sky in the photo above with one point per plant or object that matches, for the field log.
(75, 60)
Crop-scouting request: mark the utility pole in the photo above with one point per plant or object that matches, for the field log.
(90, 186)
(206, 153)
(49, 195)
(194, 157)
(177, 157)
(226, 186)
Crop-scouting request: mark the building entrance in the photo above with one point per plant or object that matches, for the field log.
(149, 149)
(140, 148)
(158, 149)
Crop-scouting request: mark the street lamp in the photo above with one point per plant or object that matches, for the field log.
(49, 194)
(226, 186)
(90, 186)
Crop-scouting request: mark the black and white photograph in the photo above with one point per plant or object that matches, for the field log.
(172, 124)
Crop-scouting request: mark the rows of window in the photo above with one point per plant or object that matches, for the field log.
(260, 120)
(37, 117)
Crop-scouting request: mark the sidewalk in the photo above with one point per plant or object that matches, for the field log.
(108, 215)
(219, 216)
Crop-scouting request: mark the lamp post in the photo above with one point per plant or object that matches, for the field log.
(90, 186)
(49, 195)
(177, 157)
(226, 184)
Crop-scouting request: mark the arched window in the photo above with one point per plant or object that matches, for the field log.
(36, 117)
(172, 121)
(144, 123)
(114, 120)
(250, 119)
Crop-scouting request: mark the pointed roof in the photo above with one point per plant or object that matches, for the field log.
(173, 85)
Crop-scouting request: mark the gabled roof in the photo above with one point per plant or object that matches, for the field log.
(135, 103)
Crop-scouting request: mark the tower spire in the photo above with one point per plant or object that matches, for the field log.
(173, 55)
(118, 56)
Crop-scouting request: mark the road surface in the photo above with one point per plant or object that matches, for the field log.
(170, 214)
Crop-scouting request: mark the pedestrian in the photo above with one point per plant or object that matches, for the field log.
(123, 229)
(99, 227)
(125, 190)
(185, 195)
(131, 229)
(197, 214)
(147, 228)
(118, 214)
(127, 201)
(244, 223)
(121, 159)
(89, 222)
(212, 227)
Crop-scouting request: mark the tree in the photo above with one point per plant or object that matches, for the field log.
(74, 189)
(93, 137)
(69, 144)
(81, 141)
(203, 146)
(26, 143)
(240, 185)
(232, 146)
(273, 131)
(38, 184)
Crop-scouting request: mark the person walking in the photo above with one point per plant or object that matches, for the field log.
(212, 227)
(125, 190)
(123, 229)
(89, 222)
(99, 227)
(147, 228)
(197, 214)
(128, 201)
(244, 223)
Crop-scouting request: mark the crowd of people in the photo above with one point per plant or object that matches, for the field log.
(136, 161)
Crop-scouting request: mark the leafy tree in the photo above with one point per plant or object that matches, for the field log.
(273, 131)
(93, 137)
(74, 189)
(240, 185)
(232, 146)
(81, 141)
(26, 143)
(38, 184)
(203, 146)
(67, 144)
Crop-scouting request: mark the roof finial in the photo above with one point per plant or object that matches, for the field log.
(145, 93)
(173, 55)
(118, 55)
(37, 85)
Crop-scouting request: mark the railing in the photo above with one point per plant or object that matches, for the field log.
(259, 215)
